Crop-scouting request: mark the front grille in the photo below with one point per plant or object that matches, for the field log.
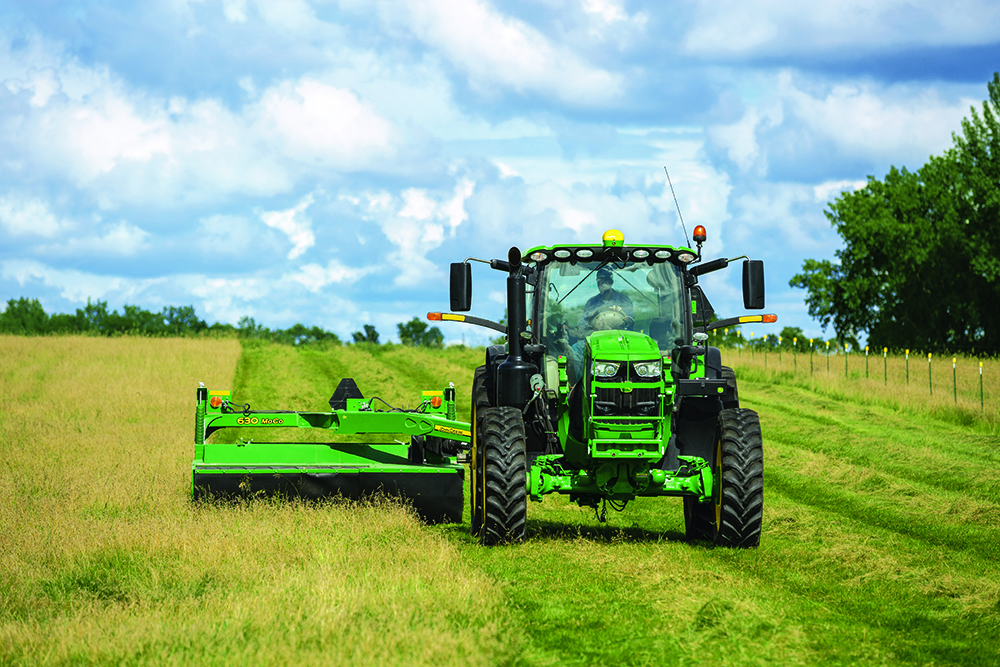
(640, 402)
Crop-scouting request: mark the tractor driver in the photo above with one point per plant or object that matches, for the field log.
(606, 310)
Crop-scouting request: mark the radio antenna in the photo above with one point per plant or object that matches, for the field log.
(677, 205)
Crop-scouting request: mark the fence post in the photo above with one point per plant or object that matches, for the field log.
(954, 379)
(929, 384)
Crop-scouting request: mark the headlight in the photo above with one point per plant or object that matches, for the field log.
(647, 369)
(605, 369)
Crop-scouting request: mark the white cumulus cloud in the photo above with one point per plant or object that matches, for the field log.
(497, 51)
(415, 223)
(795, 119)
(76, 286)
(29, 217)
(294, 224)
(866, 119)
(828, 190)
(121, 239)
(86, 126)
(739, 139)
(315, 277)
(772, 27)
(319, 123)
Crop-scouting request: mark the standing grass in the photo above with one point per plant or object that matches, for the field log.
(955, 398)
(106, 560)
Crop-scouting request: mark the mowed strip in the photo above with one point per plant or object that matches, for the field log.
(104, 559)
(890, 520)
(879, 548)
(829, 585)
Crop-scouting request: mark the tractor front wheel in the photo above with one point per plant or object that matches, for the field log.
(732, 518)
(505, 476)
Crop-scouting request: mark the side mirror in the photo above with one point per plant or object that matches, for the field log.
(703, 311)
(753, 284)
(461, 287)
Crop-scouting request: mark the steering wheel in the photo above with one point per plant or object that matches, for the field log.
(610, 317)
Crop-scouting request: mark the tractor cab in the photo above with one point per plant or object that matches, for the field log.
(586, 297)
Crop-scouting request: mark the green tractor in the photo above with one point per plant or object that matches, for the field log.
(607, 390)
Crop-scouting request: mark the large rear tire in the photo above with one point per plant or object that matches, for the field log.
(480, 401)
(732, 518)
(505, 476)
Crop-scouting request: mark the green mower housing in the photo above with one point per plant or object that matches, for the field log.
(606, 390)
(424, 471)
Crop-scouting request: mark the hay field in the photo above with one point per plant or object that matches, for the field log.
(880, 543)
(106, 561)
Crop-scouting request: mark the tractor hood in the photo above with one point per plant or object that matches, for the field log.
(621, 345)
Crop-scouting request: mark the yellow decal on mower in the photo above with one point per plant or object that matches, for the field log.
(453, 431)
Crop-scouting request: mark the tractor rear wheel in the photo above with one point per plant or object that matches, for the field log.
(733, 516)
(505, 476)
(480, 401)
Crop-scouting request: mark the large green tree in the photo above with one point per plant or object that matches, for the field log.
(920, 267)
(416, 333)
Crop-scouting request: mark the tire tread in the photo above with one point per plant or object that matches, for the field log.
(506, 492)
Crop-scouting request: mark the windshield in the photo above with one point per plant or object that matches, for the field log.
(576, 300)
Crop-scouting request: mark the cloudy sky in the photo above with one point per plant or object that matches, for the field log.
(322, 161)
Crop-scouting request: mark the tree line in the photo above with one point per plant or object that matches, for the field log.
(920, 267)
(27, 317)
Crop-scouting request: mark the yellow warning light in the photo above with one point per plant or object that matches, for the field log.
(613, 239)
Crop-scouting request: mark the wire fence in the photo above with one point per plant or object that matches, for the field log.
(962, 388)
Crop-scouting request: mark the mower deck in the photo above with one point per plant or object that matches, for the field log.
(313, 471)
(424, 472)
